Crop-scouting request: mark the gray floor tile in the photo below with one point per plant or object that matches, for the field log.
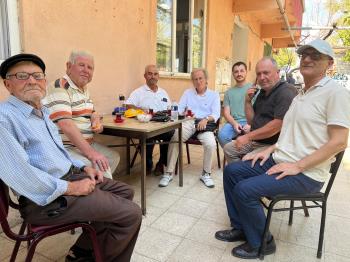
(156, 244)
(190, 207)
(217, 213)
(162, 199)
(204, 231)
(189, 251)
(174, 223)
(139, 258)
(202, 193)
(335, 258)
(287, 252)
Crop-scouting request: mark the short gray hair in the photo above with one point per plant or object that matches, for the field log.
(205, 72)
(76, 53)
(272, 60)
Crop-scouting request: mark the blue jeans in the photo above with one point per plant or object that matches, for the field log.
(227, 133)
(243, 188)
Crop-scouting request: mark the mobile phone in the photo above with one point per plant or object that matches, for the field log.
(256, 87)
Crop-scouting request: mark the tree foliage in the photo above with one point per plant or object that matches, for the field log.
(285, 58)
(341, 9)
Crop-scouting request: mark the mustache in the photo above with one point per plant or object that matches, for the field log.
(32, 87)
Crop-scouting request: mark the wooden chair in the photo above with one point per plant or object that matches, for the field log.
(318, 199)
(36, 233)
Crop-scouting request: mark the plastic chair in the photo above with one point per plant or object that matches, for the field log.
(194, 141)
(318, 199)
(36, 233)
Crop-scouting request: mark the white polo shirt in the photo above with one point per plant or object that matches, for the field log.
(304, 128)
(144, 97)
(202, 106)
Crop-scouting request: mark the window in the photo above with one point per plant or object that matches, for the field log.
(180, 35)
(9, 31)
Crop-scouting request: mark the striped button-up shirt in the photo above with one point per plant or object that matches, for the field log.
(33, 158)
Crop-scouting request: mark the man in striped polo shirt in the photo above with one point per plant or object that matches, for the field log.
(73, 111)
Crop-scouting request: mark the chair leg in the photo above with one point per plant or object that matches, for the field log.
(176, 166)
(306, 211)
(290, 221)
(138, 150)
(323, 223)
(218, 154)
(188, 154)
(18, 243)
(266, 232)
(96, 248)
(31, 249)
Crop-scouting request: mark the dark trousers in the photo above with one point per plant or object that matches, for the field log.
(243, 188)
(110, 209)
(163, 149)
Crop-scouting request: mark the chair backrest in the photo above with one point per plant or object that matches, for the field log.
(4, 201)
(334, 169)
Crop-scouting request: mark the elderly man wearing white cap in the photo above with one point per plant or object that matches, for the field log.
(315, 128)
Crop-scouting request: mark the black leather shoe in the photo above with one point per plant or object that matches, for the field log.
(230, 235)
(247, 252)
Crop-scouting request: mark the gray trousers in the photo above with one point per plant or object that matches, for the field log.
(109, 208)
(232, 154)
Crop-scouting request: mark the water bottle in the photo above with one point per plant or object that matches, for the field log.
(174, 112)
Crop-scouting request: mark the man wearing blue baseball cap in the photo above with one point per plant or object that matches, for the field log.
(315, 128)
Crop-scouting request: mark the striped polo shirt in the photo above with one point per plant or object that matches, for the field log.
(66, 101)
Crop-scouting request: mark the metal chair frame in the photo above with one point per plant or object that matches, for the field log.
(36, 233)
(318, 199)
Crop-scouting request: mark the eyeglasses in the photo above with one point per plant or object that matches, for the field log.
(313, 55)
(25, 75)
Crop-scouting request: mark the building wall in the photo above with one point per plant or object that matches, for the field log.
(122, 37)
(121, 34)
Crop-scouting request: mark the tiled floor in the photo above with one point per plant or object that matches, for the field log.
(181, 222)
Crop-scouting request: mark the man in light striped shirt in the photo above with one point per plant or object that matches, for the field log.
(52, 187)
(72, 110)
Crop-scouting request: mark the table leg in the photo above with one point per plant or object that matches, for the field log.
(180, 157)
(143, 175)
(128, 155)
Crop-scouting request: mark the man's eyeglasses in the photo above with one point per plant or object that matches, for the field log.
(313, 55)
(25, 76)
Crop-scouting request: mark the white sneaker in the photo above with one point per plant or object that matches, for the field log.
(207, 180)
(165, 180)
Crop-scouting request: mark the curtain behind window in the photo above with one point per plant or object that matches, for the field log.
(4, 32)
